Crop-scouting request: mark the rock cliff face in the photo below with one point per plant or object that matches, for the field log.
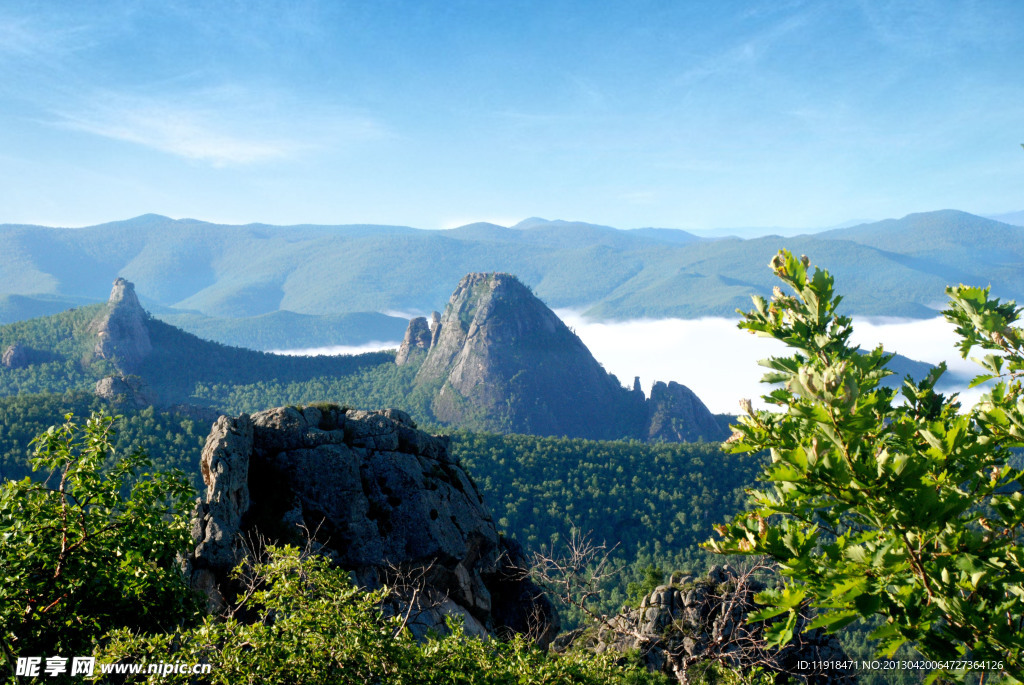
(676, 414)
(504, 361)
(416, 342)
(377, 495)
(500, 360)
(121, 332)
(16, 357)
(130, 391)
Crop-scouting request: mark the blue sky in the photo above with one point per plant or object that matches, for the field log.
(675, 114)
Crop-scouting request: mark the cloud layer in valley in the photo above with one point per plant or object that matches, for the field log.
(717, 360)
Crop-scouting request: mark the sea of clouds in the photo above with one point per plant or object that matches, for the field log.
(717, 360)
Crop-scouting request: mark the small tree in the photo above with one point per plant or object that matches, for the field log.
(91, 548)
(909, 511)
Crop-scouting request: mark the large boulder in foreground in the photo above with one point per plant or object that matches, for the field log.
(378, 497)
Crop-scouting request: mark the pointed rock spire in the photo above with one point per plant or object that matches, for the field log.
(120, 329)
(416, 342)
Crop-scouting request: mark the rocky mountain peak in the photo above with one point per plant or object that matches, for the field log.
(676, 414)
(500, 358)
(123, 293)
(120, 329)
(416, 342)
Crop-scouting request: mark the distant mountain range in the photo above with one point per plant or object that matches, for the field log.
(246, 284)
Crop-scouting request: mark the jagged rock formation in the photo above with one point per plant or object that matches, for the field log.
(416, 342)
(16, 357)
(19, 356)
(500, 360)
(693, 621)
(129, 391)
(504, 361)
(435, 327)
(374, 492)
(121, 332)
(676, 414)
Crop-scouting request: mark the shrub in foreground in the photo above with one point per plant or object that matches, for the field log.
(910, 512)
(312, 625)
(90, 548)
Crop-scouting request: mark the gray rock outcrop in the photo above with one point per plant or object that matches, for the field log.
(693, 621)
(501, 360)
(376, 494)
(16, 357)
(130, 391)
(416, 342)
(120, 330)
(676, 414)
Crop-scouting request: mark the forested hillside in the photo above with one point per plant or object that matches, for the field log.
(651, 504)
(654, 502)
(172, 439)
(62, 358)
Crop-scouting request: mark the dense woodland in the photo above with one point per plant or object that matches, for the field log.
(653, 503)
(649, 505)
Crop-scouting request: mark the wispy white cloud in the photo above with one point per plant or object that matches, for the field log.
(748, 50)
(182, 133)
(928, 28)
(26, 37)
(17, 37)
(223, 127)
(402, 314)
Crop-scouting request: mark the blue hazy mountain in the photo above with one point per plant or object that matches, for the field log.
(897, 267)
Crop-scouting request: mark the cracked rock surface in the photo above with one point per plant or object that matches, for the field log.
(376, 494)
